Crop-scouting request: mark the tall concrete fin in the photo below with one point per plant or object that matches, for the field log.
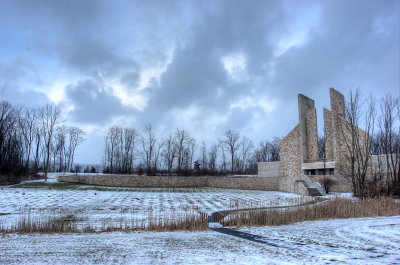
(337, 102)
(308, 128)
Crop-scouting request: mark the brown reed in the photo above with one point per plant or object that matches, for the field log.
(330, 209)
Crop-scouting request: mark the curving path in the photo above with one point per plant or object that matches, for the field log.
(216, 217)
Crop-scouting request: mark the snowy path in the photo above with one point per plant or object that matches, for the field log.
(215, 217)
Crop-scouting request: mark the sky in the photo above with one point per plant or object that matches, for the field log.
(204, 66)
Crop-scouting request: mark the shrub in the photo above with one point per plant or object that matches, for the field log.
(328, 182)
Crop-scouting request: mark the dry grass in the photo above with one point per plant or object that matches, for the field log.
(29, 223)
(45, 224)
(183, 222)
(331, 209)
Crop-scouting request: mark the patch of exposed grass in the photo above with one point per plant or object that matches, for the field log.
(4, 214)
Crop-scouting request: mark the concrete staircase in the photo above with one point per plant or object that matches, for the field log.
(313, 188)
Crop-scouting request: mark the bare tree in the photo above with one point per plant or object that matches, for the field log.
(11, 146)
(231, 141)
(389, 142)
(213, 158)
(246, 147)
(321, 147)
(357, 142)
(157, 151)
(129, 147)
(27, 120)
(112, 145)
(50, 117)
(221, 146)
(268, 151)
(76, 137)
(148, 143)
(192, 146)
(60, 145)
(182, 138)
(169, 152)
(204, 158)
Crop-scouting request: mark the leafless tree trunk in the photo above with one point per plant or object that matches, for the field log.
(389, 122)
(129, 147)
(231, 141)
(37, 140)
(182, 138)
(355, 164)
(204, 158)
(61, 135)
(51, 117)
(246, 147)
(192, 146)
(112, 141)
(148, 142)
(221, 146)
(213, 158)
(157, 151)
(168, 153)
(76, 137)
(27, 119)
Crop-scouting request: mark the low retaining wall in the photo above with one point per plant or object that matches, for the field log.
(251, 183)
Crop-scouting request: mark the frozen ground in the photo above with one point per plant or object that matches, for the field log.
(94, 205)
(348, 241)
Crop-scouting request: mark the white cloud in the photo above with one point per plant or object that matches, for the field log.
(305, 22)
(235, 65)
(250, 102)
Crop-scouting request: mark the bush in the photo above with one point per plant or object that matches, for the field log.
(328, 182)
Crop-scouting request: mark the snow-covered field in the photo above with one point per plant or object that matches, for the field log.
(348, 241)
(94, 205)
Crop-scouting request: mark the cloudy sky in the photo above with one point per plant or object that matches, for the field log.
(205, 66)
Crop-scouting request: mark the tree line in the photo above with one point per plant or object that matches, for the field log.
(128, 150)
(35, 139)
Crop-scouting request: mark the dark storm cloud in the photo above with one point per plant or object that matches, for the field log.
(348, 47)
(18, 81)
(97, 59)
(72, 15)
(197, 75)
(93, 104)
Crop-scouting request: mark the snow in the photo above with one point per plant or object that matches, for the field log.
(95, 205)
(347, 241)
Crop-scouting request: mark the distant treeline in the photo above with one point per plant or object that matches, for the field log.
(128, 150)
(35, 139)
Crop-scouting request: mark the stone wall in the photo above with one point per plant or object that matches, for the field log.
(251, 183)
(312, 136)
(328, 135)
(337, 138)
(291, 156)
(136, 181)
(255, 183)
(290, 184)
(337, 102)
(308, 128)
